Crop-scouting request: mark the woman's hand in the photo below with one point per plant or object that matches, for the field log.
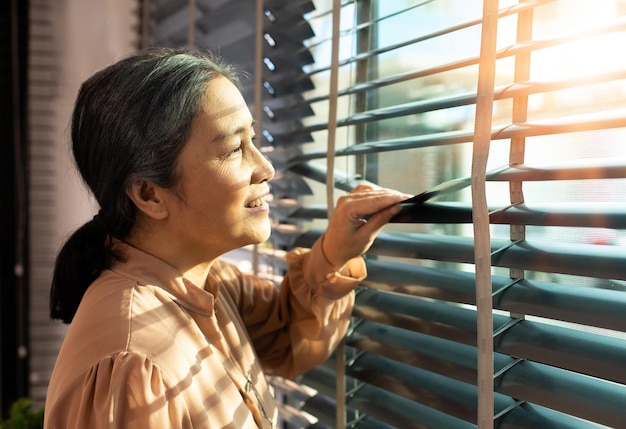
(348, 234)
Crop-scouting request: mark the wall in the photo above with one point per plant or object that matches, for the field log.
(69, 41)
(92, 34)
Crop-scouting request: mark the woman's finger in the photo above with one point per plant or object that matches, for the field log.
(363, 205)
(374, 223)
(364, 187)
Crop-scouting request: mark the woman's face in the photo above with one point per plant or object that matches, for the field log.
(218, 204)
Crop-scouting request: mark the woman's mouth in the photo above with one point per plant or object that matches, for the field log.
(256, 203)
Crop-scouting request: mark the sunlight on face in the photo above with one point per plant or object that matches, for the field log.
(219, 203)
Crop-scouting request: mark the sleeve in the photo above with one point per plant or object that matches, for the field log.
(297, 326)
(122, 391)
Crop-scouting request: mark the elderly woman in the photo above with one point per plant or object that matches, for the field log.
(164, 334)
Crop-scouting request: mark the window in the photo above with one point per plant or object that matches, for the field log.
(407, 76)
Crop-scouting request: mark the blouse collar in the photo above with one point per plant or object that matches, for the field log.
(146, 269)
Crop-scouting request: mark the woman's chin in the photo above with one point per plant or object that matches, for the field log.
(264, 236)
(261, 234)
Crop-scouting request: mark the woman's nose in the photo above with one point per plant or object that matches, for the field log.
(269, 170)
(264, 170)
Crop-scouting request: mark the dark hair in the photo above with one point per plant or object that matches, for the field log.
(130, 121)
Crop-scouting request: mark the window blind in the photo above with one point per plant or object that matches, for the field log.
(407, 102)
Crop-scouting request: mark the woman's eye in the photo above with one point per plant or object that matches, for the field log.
(231, 153)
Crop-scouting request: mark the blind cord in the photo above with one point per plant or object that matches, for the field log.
(258, 96)
(340, 389)
(482, 239)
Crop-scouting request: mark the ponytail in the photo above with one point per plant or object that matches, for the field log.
(87, 253)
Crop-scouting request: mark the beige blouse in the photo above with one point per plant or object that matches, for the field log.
(149, 349)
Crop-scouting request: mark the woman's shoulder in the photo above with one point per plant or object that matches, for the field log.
(117, 314)
(77, 397)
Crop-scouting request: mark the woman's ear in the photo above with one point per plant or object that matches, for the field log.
(148, 198)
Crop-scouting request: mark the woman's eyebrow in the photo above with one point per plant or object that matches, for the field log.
(228, 134)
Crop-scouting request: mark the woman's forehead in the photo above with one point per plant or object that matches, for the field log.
(223, 103)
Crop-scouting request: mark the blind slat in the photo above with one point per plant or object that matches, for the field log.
(564, 125)
(599, 307)
(604, 215)
(584, 397)
(445, 394)
(564, 258)
(576, 350)
(402, 413)
(524, 380)
(457, 100)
